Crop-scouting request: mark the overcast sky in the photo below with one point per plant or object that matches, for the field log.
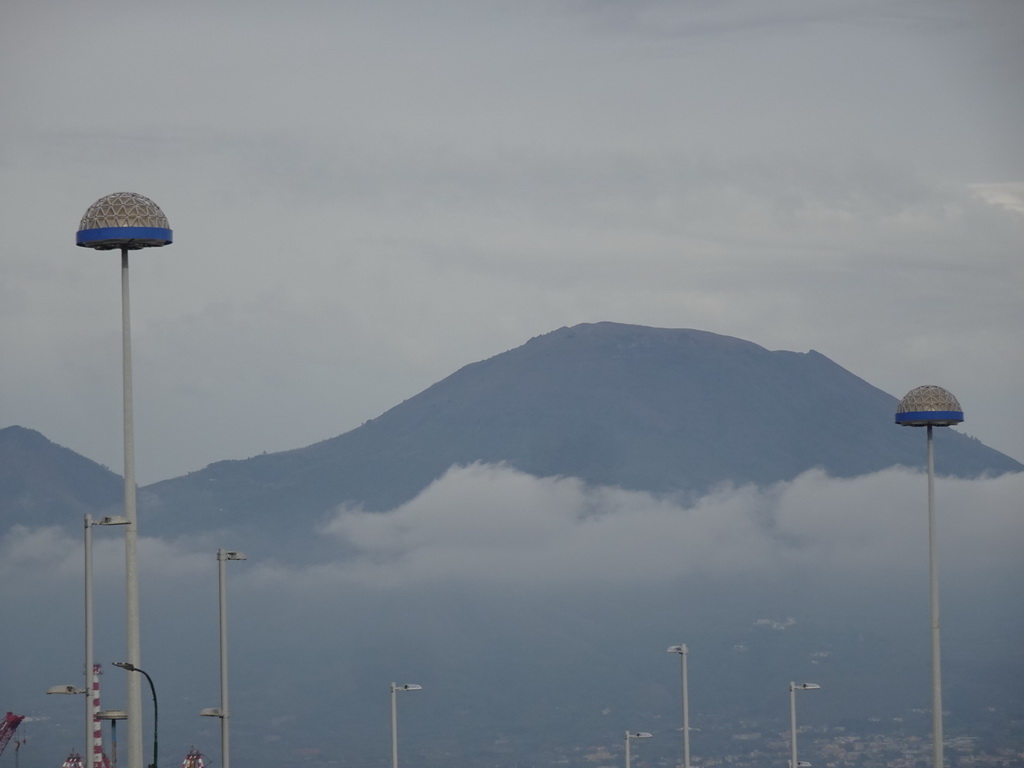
(367, 196)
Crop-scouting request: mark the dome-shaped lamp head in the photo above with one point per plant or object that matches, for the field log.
(124, 220)
(929, 406)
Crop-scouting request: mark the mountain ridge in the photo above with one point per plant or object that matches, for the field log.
(41, 482)
(667, 411)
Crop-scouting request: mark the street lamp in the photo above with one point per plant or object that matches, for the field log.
(630, 735)
(113, 715)
(152, 689)
(394, 718)
(129, 222)
(222, 712)
(793, 688)
(682, 651)
(67, 689)
(93, 732)
(931, 406)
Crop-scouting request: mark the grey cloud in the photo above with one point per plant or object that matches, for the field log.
(486, 524)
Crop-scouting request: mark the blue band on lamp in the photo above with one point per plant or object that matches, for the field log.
(924, 418)
(124, 237)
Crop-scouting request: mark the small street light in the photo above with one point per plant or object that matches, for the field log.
(793, 688)
(93, 736)
(114, 716)
(222, 711)
(152, 689)
(630, 735)
(69, 689)
(394, 718)
(682, 651)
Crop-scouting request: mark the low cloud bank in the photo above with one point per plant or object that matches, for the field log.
(491, 523)
(491, 562)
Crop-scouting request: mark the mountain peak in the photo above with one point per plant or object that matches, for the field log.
(47, 484)
(667, 411)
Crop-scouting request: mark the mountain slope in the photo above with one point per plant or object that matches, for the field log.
(659, 410)
(42, 483)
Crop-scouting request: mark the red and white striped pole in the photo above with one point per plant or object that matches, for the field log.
(97, 724)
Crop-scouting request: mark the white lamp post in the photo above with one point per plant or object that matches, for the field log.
(793, 688)
(93, 736)
(931, 406)
(682, 651)
(630, 735)
(129, 222)
(394, 718)
(223, 555)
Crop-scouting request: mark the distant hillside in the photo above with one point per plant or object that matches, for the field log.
(42, 483)
(660, 410)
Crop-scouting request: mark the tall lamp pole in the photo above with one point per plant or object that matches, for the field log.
(127, 221)
(682, 651)
(630, 735)
(152, 689)
(930, 406)
(793, 688)
(223, 555)
(394, 718)
(93, 735)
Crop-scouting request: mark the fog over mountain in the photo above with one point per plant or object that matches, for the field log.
(524, 539)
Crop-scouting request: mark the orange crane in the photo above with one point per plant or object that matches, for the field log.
(7, 728)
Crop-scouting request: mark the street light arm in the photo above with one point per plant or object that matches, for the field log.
(112, 520)
(127, 665)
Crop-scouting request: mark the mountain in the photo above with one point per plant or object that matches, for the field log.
(651, 409)
(42, 483)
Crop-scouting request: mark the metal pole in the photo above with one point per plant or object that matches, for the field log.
(627, 750)
(394, 729)
(89, 710)
(792, 725)
(225, 743)
(933, 572)
(686, 709)
(133, 649)
(152, 689)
